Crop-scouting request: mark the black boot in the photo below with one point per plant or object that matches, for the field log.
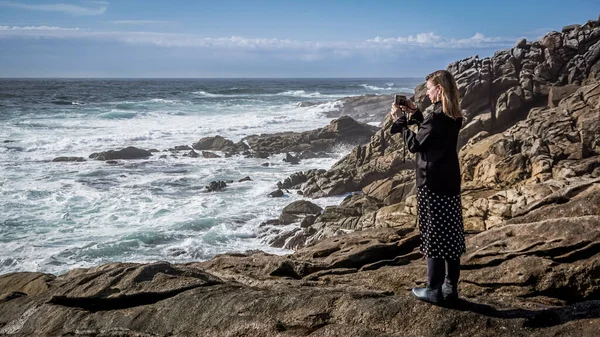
(449, 292)
(450, 287)
(435, 277)
(428, 294)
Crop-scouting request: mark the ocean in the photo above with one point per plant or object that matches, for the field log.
(56, 216)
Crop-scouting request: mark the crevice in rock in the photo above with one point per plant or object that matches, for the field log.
(570, 295)
(496, 285)
(551, 253)
(397, 261)
(94, 304)
(585, 252)
(573, 252)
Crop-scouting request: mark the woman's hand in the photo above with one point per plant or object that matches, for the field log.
(394, 111)
(410, 106)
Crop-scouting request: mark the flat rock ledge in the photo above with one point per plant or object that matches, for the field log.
(537, 278)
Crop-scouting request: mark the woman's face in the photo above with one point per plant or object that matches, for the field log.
(433, 91)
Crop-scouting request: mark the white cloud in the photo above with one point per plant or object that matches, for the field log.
(99, 7)
(282, 48)
(139, 22)
(433, 40)
(49, 28)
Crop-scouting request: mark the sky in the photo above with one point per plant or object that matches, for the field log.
(265, 39)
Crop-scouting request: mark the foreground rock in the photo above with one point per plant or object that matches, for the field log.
(535, 278)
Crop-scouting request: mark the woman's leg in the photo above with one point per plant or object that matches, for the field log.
(435, 273)
(435, 278)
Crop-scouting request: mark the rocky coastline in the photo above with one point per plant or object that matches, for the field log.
(530, 159)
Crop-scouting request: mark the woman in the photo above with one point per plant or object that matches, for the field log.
(438, 184)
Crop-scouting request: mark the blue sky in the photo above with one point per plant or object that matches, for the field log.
(266, 38)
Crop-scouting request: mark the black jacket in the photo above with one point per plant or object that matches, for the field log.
(435, 145)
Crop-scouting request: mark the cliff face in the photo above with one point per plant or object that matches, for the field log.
(530, 156)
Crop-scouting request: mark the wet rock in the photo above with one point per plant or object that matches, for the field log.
(276, 194)
(218, 143)
(210, 155)
(215, 186)
(68, 159)
(126, 153)
(291, 159)
(181, 148)
(192, 154)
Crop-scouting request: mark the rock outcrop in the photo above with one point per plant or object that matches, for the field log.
(531, 130)
(343, 131)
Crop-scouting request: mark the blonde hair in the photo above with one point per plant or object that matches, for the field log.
(450, 94)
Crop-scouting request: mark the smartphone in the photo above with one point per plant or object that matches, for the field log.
(400, 100)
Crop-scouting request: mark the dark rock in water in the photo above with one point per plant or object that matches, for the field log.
(112, 162)
(215, 186)
(213, 143)
(291, 159)
(8, 141)
(181, 148)
(164, 156)
(154, 150)
(192, 154)
(258, 154)
(247, 178)
(219, 143)
(75, 159)
(276, 194)
(126, 153)
(265, 164)
(308, 104)
(207, 154)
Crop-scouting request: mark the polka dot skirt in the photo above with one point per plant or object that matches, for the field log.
(441, 225)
